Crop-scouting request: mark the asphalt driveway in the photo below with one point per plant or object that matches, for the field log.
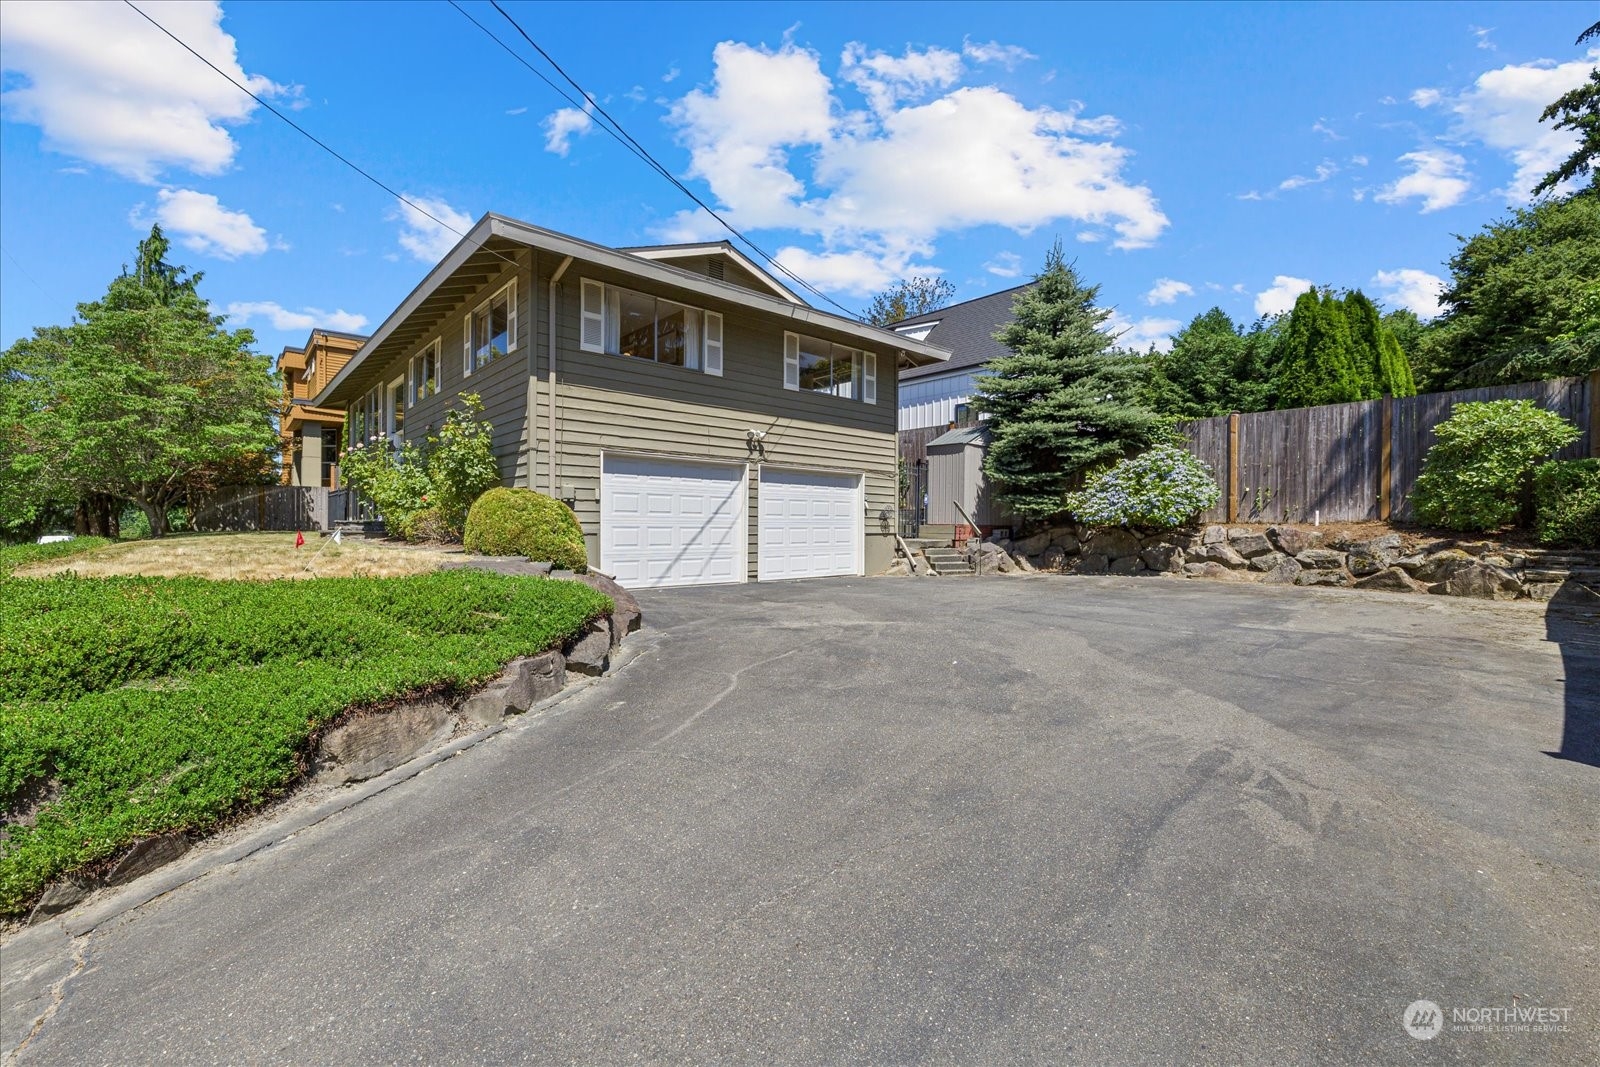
(879, 821)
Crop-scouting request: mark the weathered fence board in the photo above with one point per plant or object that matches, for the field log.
(1295, 465)
(269, 507)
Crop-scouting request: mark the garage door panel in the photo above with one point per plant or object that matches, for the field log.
(810, 524)
(691, 529)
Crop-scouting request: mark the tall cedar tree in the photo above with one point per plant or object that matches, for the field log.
(1065, 402)
(144, 397)
(1337, 350)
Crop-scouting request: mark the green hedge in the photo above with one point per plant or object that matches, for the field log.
(520, 522)
(1566, 501)
(14, 556)
(166, 704)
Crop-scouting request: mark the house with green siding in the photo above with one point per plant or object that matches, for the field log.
(705, 423)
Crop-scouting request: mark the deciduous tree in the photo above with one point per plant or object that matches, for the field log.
(908, 298)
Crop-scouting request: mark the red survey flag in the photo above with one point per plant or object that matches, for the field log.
(299, 539)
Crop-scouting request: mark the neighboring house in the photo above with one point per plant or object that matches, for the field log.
(704, 423)
(311, 435)
(932, 397)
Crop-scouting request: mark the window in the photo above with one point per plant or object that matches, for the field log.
(621, 322)
(490, 331)
(366, 419)
(813, 365)
(425, 373)
(330, 454)
(311, 369)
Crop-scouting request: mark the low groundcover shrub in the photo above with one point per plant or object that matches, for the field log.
(520, 522)
(1566, 502)
(165, 704)
(14, 556)
(1162, 488)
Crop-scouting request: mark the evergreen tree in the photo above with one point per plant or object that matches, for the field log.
(1214, 368)
(1319, 363)
(1390, 372)
(1065, 402)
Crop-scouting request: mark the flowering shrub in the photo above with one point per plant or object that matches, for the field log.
(424, 493)
(1163, 487)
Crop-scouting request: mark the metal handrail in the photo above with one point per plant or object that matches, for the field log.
(978, 534)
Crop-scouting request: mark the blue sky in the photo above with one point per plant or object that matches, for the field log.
(1186, 155)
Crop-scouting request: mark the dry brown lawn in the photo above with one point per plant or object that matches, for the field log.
(247, 556)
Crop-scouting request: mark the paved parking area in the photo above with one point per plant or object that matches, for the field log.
(966, 821)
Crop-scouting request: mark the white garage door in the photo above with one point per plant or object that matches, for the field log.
(810, 524)
(671, 522)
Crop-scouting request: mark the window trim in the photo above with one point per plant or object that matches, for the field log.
(594, 308)
(468, 365)
(868, 368)
(436, 347)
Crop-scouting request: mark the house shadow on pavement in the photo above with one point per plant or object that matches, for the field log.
(1572, 622)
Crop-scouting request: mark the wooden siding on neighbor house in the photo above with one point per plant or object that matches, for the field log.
(618, 404)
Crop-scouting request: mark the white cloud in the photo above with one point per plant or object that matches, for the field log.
(1359, 161)
(560, 127)
(671, 75)
(857, 273)
(1280, 297)
(1426, 97)
(200, 222)
(1004, 265)
(1501, 111)
(1411, 288)
(1437, 178)
(282, 318)
(1482, 34)
(516, 111)
(1142, 334)
(1327, 131)
(430, 239)
(1007, 55)
(107, 87)
(1167, 291)
(781, 151)
(1324, 171)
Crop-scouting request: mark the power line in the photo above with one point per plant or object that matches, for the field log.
(616, 130)
(308, 134)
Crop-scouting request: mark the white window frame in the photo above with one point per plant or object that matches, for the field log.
(468, 363)
(866, 361)
(596, 305)
(413, 374)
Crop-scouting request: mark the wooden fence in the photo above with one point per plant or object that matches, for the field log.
(1355, 462)
(264, 507)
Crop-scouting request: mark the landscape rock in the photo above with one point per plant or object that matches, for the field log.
(1208, 569)
(1033, 545)
(547, 676)
(58, 897)
(628, 615)
(1483, 581)
(1441, 565)
(1251, 545)
(1217, 552)
(1125, 565)
(899, 568)
(1375, 555)
(1267, 562)
(368, 745)
(1053, 558)
(1284, 572)
(1113, 543)
(145, 856)
(1392, 579)
(1069, 543)
(590, 654)
(1411, 563)
(1238, 533)
(1024, 565)
(1293, 540)
(1093, 563)
(1167, 559)
(1214, 535)
(1320, 559)
(1320, 577)
(919, 565)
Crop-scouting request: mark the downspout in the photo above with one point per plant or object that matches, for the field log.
(550, 317)
(531, 452)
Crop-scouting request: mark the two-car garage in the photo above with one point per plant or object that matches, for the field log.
(674, 522)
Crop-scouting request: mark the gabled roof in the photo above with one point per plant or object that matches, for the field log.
(668, 253)
(496, 241)
(966, 329)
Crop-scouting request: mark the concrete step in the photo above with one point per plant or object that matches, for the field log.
(948, 561)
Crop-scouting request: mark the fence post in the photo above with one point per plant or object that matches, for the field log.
(1385, 454)
(1233, 467)
(1594, 413)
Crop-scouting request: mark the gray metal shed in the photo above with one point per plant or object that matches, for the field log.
(955, 472)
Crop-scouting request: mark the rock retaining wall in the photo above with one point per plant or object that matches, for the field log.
(1299, 555)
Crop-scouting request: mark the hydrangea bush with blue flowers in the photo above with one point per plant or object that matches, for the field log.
(1162, 488)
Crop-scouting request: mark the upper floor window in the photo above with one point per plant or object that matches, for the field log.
(621, 322)
(491, 330)
(311, 369)
(425, 372)
(813, 365)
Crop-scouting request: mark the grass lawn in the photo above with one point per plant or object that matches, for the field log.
(255, 556)
(151, 705)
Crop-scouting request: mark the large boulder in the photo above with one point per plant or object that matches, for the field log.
(1213, 535)
(1293, 540)
(1250, 545)
(1375, 555)
(1125, 565)
(590, 652)
(1068, 542)
(1217, 552)
(1393, 580)
(989, 558)
(1113, 543)
(368, 745)
(1321, 559)
(1092, 563)
(1483, 581)
(1439, 566)
(1167, 559)
(1032, 546)
(1283, 572)
(1208, 569)
(1321, 577)
(628, 615)
(1052, 558)
(1267, 562)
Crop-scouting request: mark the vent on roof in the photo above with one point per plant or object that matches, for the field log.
(714, 269)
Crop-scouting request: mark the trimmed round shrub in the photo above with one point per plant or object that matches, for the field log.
(1476, 475)
(1566, 503)
(521, 522)
(1163, 488)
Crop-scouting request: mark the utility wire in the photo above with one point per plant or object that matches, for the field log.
(616, 130)
(309, 135)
